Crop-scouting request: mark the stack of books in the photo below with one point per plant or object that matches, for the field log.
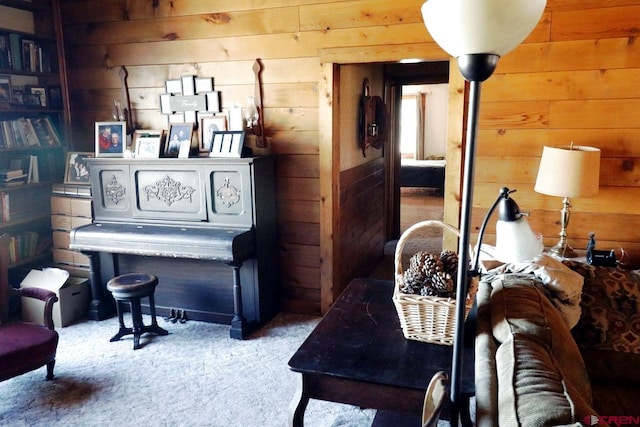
(9, 177)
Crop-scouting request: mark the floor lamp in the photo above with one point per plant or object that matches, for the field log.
(477, 33)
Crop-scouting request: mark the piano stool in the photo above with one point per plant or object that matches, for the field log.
(130, 288)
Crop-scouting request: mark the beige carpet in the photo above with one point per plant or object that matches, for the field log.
(195, 376)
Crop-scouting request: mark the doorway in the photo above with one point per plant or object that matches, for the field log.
(335, 252)
(419, 94)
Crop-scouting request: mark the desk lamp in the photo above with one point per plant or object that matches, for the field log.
(567, 172)
(477, 33)
(515, 241)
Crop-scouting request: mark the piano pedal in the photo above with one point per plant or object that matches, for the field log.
(172, 315)
(183, 316)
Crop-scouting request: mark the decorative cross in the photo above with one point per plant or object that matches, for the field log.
(187, 97)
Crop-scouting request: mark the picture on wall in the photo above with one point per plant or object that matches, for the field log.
(179, 137)
(77, 171)
(110, 139)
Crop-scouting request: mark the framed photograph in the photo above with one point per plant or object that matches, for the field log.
(5, 89)
(39, 94)
(208, 126)
(76, 171)
(179, 136)
(147, 143)
(55, 97)
(111, 139)
(227, 144)
(174, 86)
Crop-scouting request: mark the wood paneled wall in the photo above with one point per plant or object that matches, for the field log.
(574, 79)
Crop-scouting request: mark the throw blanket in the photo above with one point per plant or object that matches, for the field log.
(564, 284)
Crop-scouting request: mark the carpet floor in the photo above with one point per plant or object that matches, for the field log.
(195, 376)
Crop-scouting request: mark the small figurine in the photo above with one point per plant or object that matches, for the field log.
(595, 257)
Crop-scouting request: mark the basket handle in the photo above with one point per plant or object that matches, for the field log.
(417, 226)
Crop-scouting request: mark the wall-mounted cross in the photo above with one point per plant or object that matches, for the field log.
(187, 97)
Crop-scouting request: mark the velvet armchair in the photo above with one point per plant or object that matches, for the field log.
(24, 346)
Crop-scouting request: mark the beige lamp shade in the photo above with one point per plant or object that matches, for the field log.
(569, 171)
(463, 27)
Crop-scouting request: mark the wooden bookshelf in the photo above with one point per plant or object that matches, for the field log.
(34, 123)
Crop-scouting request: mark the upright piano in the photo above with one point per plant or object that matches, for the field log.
(205, 227)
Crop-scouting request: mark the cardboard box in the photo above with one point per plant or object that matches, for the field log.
(74, 294)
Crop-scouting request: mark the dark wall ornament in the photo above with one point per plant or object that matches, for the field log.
(373, 120)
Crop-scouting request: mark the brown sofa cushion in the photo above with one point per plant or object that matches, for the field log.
(541, 375)
(609, 329)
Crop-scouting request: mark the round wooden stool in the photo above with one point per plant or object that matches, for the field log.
(130, 288)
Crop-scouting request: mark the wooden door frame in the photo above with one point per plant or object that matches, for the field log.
(329, 148)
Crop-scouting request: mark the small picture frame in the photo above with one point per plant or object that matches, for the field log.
(180, 135)
(227, 144)
(55, 97)
(77, 171)
(5, 89)
(208, 126)
(147, 143)
(39, 95)
(111, 139)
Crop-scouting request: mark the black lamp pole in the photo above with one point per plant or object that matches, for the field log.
(475, 68)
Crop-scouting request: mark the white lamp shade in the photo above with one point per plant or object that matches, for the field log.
(463, 27)
(569, 171)
(515, 242)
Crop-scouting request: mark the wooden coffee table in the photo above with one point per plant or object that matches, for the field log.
(358, 355)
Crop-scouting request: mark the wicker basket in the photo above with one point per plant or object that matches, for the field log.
(427, 318)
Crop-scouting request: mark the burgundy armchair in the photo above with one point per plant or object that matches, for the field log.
(24, 346)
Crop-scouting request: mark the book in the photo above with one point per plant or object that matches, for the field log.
(42, 131)
(4, 207)
(33, 174)
(10, 173)
(10, 182)
(15, 44)
(30, 136)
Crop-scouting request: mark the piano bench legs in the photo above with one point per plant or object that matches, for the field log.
(129, 289)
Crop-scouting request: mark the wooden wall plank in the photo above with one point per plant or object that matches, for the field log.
(268, 46)
(358, 14)
(516, 114)
(601, 114)
(562, 85)
(187, 27)
(618, 142)
(610, 22)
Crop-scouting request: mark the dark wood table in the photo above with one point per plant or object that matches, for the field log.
(358, 355)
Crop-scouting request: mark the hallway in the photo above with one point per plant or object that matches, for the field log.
(416, 204)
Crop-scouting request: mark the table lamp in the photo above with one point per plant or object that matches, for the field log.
(572, 171)
(477, 33)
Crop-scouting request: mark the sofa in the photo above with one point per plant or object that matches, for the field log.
(533, 369)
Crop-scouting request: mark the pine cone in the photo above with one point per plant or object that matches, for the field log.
(431, 265)
(428, 291)
(412, 281)
(418, 260)
(443, 283)
(450, 261)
